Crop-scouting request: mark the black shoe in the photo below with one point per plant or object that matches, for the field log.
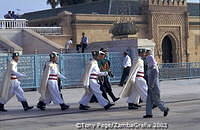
(147, 116)
(108, 106)
(87, 107)
(154, 106)
(83, 107)
(116, 99)
(41, 105)
(120, 85)
(64, 107)
(2, 109)
(166, 112)
(140, 101)
(136, 105)
(131, 106)
(26, 106)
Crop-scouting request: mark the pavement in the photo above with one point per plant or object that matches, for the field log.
(181, 96)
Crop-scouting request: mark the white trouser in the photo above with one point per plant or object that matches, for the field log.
(139, 90)
(94, 89)
(15, 89)
(53, 93)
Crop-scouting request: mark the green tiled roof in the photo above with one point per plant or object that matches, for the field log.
(126, 7)
(194, 9)
(98, 7)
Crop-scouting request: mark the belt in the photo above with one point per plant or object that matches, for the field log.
(93, 78)
(52, 79)
(53, 75)
(12, 78)
(94, 74)
(139, 76)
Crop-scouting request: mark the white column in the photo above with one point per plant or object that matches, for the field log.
(23, 24)
(0, 24)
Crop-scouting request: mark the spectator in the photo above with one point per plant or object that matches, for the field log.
(126, 70)
(8, 15)
(68, 44)
(84, 42)
(14, 16)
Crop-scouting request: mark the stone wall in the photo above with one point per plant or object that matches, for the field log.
(194, 39)
(168, 18)
(35, 43)
(59, 39)
(97, 27)
(158, 20)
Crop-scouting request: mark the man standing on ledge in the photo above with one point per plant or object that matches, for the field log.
(11, 85)
(84, 42)
(153, 96)
(126, 70)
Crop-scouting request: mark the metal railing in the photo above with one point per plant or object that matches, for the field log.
(72, 66)
(22, 24)
(179, 70)
(12, 23)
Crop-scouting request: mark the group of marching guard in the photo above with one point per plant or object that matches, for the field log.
(139, 84)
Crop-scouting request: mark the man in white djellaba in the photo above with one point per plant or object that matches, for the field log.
(91, 85)
(49, 84)
(11, 85)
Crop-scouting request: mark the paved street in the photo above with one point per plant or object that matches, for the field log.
(182, 97)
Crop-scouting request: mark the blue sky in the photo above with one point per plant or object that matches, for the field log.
(22, 6)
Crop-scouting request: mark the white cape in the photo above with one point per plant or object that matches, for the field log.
(4, 89)
(86, 75)
(43, 84)
(131, 79)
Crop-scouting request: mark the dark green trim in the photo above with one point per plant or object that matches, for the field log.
(194, 23)
(99, 22)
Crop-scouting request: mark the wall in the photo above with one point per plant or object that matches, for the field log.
(33, 41)
(194, 39)
(97, 27)
(165, 19)
(14, 35)
(59, 39)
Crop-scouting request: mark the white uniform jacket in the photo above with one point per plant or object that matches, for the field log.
(51, 71)
(92, 71)
(137, 64)
(10, 78)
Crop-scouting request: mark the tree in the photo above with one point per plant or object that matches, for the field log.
(53, 3)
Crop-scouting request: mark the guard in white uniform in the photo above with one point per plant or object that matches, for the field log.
(139, 89)
(90, 82)
(49, 85)
(11, 85)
